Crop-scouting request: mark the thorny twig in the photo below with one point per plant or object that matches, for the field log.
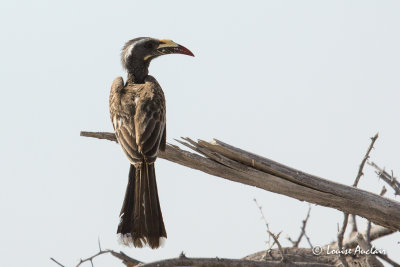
(265, 221)
(270, 234)
(308, 240)
(386, 177)
(90, 259)
(128, 261)
(276, 237)
(302, 232)
(346, 215)
(366, 157)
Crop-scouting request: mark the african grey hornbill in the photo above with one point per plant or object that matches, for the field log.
(138, 115)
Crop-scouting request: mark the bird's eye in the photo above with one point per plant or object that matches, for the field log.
(149, 45)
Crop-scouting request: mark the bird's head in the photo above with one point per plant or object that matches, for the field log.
(140, 51)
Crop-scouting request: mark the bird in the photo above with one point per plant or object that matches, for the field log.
(138, 115)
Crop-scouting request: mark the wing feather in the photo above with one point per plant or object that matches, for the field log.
(138, 116)
(154, 139)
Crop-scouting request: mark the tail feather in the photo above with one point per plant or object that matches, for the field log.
(126, 213)
(141, 218)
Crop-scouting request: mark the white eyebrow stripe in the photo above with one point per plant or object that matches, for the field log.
(128, 51)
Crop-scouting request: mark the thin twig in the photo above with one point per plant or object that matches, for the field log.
(57, 262)
(383, 191)
(270, 234)
(302, 231)
(266, 224)
(371, 260)
(353, 223)
(388, 260)
(340, 239)
(128, 261)
(308, 240)
(386, 177)
(275, 237)
(98, 241)
(92, 257)
(365, 245)
(368, 233)
(366, 157)
(377, 231)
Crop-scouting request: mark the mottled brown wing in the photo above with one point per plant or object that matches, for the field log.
(164, 139)
(122, 117)
(150, 122)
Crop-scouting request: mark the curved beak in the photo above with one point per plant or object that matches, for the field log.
(170, 47)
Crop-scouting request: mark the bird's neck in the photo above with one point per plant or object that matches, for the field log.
(138, 72)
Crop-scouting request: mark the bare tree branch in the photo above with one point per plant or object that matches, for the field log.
(308, 240)
(388, 260)
(371, 260)
(266, 225)
(375, 233)
(57, 262)
(237, 165)
(387, 178)
(366, 243)
(302, 231)
(220, 262)
(128, 261)
(346, 215)
(340, 239)
(90, 259)
(353, 223)
(276, 237)
(366, 157)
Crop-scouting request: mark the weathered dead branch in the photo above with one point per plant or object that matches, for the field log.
(237, 165)
(295, 257)
(375, 233)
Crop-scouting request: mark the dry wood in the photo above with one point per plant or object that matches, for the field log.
(351, 241)
(340, 235)
(237, 165)
(296, 255)
(218, 262)
(371, 260)
(303, 259)
(388, 178)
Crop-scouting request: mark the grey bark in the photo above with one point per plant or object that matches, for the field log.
(229, 162)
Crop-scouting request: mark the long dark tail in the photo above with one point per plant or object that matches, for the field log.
(141, 219)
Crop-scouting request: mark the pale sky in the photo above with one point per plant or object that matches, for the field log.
(305, 83)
